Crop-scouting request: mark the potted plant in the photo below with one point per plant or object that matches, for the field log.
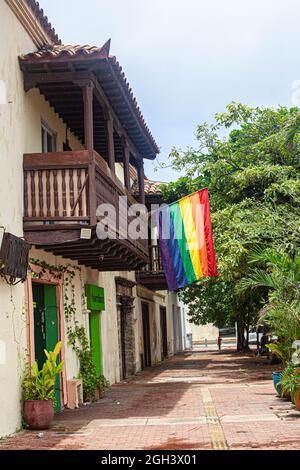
(280, 351)
(288, 382)
(291, 384)
(38, 391)
(297, 393)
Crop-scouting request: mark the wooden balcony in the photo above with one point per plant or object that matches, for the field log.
(152, 275)
(61, 194)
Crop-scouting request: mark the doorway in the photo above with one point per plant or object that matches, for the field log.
(163, 333)
(123, 341)
(146, 333)
(126, 327)
(126, 337)
(179, 329)
(174, 329)
(95, 301)
(46, 328)
(95, 337)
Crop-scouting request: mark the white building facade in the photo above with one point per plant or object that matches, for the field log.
(132, 326)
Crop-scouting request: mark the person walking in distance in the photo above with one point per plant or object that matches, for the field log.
(219, 341)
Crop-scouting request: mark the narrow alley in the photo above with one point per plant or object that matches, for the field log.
(199, 400)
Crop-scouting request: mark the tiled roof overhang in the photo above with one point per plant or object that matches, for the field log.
(151, 188)
(153, 192)
(111, 77)
(43, 20)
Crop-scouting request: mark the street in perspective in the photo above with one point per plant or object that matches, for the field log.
(197, 400)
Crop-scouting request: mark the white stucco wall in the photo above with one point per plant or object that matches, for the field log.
(120, 172)
(202, 332)
(12, 345)
(109, 323)
(20, 132)
(174, 331)
(13, 41)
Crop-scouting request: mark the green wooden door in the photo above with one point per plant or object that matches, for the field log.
(52, 333)
(95, 335)
(39, 323)
(46, 328)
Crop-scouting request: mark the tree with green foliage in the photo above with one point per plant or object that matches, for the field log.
(279, 274)
(249, 158)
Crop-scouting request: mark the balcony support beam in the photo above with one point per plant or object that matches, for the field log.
(126, 165)
(141, 181)
(88, 94)
(105, 104)
(110, 141)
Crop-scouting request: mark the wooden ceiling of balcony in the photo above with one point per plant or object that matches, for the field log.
(57, 70)
(103, 255)
(153, 281)
(67, 101)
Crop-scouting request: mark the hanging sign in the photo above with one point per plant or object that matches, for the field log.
(95, 297)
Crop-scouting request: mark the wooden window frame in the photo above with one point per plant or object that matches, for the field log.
(45, 128)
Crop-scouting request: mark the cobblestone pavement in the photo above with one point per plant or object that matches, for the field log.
(199, 400)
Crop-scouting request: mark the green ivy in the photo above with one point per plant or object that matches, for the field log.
(91, 381)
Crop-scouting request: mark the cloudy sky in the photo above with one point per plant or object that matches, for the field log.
(186, 60)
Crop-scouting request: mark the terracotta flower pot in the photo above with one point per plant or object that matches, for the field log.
(293, 399)
(38, 415)
(297, 400)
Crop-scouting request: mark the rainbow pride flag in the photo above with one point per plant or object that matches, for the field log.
(186, 241)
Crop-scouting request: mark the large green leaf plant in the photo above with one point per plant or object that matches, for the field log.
(39, 385)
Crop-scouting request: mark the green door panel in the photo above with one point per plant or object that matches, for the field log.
(95, 334)
(52, 333)
(39, 323)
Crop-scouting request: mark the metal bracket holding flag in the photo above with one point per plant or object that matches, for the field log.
(186, 240)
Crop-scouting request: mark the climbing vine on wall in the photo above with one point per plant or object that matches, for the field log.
(91, 381)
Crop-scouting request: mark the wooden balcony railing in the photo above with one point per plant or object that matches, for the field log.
(61, 194)
(155, 266)
(57, 188)
(152, 275)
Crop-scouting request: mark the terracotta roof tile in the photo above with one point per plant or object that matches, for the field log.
(57, 51)
(43, 20)
(151, 187)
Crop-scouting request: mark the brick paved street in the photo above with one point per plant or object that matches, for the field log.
(199, 400)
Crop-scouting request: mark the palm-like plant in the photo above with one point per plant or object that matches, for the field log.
(290, 380)
(279, 273)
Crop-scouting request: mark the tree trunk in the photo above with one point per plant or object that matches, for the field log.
(240, 336)
(242, 342)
